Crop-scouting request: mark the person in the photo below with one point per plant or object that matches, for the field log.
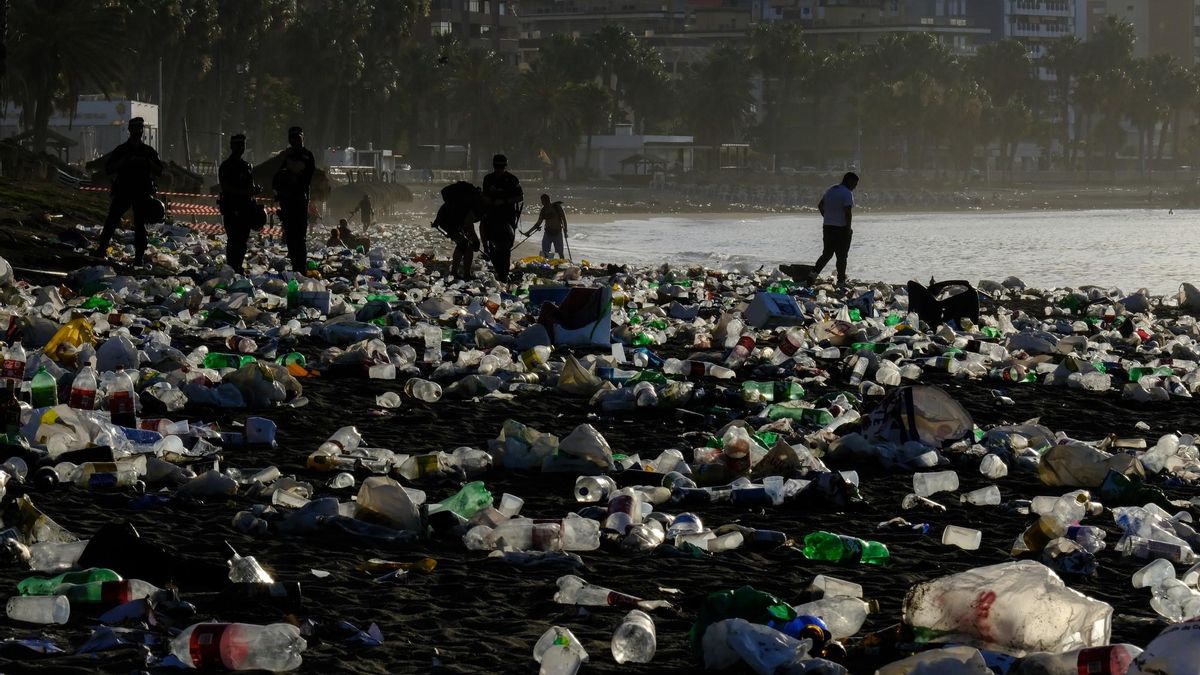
(365, 211)
(502, 196)
(335, 238)
(131, 167)
(236, 177)
(836, 211)
(291, 184)
(555, 221)
(456, 219)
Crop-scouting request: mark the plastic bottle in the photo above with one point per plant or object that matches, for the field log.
(107, 593)
(1106, 660)
(472, 497)
(245, 569)
(575, 591)
(105, 476)
(1153, 574)
(54, 556)
(840, 548)
(1152, 548)
(697, 369)
(843, 615)
(83, 390)
(740, 350)
(559, 652)
(789, 343)
(634, 641)
(121, 399)
(43, 389)
(240, 646)
(624, 509)
(43, 586)
(293, 295)
(594, 488)
(1090, 538)
(39, 609)
(14, 363)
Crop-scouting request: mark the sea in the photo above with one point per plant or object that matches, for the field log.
(1127, 249)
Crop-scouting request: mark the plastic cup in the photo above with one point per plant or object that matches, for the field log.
(962, 537)
(510, 505)
(423, 390)
(39, 609)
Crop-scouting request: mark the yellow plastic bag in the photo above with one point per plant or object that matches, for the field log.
(66, 342)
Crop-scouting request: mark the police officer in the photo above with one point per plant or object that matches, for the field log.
(502, 196)
(131, 167)
(237, 202)
(291, 184)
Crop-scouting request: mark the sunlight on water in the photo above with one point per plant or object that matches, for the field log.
(1126, 248)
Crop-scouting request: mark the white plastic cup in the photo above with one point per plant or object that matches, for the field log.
(510, 505)
(985, 496)
(962, 537)
(931, 483)
(832, 586)
(423, 390)
(39, 608)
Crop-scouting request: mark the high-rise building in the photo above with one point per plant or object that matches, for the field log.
(487, 24)
(863, 22)
(1036, 23)
(1160, 26)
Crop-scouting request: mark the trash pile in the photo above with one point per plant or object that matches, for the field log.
(790, 398)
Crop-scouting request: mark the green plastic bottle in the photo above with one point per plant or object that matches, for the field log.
(787, 390)
(765, 391)
(43, 390)
(642, 340)
(840, 548)
(855, 314)
(893, 319)
(217, 360)
(97, 302)
(293, 294)
(44, 586)
(107, 593)
(472, 497)
(292, 358)
(813, 416)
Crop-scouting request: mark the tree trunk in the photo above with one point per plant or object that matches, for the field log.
(1162, 137)
(587, 154)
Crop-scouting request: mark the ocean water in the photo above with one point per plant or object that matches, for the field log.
(1128, 249)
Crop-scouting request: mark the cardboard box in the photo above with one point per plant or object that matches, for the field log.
(769, 310)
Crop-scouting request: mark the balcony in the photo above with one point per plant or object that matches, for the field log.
(1056, 8)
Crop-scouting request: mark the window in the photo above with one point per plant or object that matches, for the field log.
(440, 28)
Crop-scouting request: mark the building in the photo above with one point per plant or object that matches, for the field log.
(485, 24)
(98, 125)
(1162, 26)
(828, 23)
(1036, 23)
(634, 157)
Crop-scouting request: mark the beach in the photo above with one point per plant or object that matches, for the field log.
(473, 614)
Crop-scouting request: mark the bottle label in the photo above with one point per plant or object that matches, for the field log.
(83, 399)
(622, 600)
(14, 370)
(120, 403)
(102, 481)
(696, 368)
(113, 593)
(204, 646)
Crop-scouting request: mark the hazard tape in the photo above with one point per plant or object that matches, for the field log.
(218, 228)
(192, 195)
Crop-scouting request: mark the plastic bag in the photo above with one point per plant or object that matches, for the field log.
(381, 499)
(576, 379)
(1075, 464)
(587, 443)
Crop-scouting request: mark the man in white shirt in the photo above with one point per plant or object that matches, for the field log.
(835, 208)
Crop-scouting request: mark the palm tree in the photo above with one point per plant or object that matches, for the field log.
(61, 49)
(724, 117)
(1005, 70)
(591, 103)
(1065, 59)
(478, 79)
(612, 46)
(778, 53)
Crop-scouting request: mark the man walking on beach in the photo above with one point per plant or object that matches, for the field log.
(237, 202)
(291, 184)
(502, 196)
(835, 208)
(131, 167)
(366, 212)
(555, 221)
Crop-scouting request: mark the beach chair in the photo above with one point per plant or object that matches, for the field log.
(935, 311)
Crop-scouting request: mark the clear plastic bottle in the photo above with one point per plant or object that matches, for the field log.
(240, 646)
(108, 593)
(634, 641)
(83, 390)
(122, 408)
(594, 488)
(39, 609)
(1106, 660)
(14, 363)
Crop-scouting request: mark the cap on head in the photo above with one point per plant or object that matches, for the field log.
(499, 160)
(137, 123)
(238, 138)
(295, 131)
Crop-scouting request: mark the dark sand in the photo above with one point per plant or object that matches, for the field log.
(472, 615)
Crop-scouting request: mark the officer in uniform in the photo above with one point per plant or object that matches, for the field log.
(237, 202)
(291, 184)
(502, 197)
(131, 167)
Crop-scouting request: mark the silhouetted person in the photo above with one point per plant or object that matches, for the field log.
(365, 211)
(335, 238)
(502, 196)
(291, 183)
(131, 167)
(835, 208)
(237, 202)
(555, 221)
(457, 220)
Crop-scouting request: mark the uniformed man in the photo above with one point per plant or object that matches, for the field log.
(502, 197)
(237, 202)
(291, 184)
(366, 212)
(131, 168)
